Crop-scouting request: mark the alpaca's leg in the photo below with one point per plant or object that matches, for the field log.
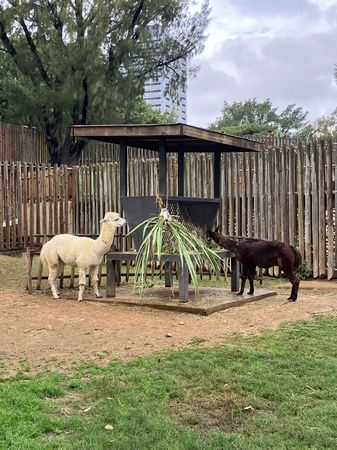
(93, 270)
(52, 276)
(81, 281)
(295, 282)
(244, 276)
(60, 268)
(251, 276)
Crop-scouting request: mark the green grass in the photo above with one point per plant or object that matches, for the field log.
(273, 391)
(13, 276)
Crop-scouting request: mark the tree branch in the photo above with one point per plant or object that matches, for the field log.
(57, 22)
(6, 42)
(34, 52)
(135, 19)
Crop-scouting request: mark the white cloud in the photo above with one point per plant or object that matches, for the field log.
(258, 48)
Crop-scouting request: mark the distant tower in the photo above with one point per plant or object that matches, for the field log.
(156, 96)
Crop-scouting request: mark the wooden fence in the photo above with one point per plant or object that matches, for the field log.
(19, 143)
(287, 193)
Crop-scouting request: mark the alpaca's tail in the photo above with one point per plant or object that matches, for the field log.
(43, 258)
(298, 259)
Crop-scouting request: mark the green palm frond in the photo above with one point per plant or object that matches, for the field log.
(162, 236)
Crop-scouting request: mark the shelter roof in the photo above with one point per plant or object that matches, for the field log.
(177, 135)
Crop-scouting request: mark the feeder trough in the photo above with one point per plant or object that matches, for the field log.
(197, 214)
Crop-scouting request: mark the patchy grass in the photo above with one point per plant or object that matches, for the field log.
(276, 390)
(13, 271)
(13, 276)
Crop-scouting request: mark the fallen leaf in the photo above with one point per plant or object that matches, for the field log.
(249, 408)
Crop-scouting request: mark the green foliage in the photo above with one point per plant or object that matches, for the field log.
(304, 272)
(167, 235)
(144, 113)
(274, 391)
(323, 127)
(258, 118)
(65, 62)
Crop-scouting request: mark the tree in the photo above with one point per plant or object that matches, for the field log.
(67, 62)
(254, 118)
(323, 127)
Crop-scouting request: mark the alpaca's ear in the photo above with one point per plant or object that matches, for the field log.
(103, 221)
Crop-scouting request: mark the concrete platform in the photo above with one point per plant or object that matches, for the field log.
(210, 300)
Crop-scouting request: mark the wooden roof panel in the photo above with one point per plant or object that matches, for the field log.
(194, 139)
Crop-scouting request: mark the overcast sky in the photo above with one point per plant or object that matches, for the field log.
(285, 50)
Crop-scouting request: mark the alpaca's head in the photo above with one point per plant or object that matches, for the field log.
(211, 234)
(114, 219)
(221, 239)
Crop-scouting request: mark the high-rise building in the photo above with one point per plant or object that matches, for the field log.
(156, 95)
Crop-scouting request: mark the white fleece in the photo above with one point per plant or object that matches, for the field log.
(81, 252)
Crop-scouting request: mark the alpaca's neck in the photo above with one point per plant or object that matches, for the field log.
(225, 241)
(106, 236)
(230, 244)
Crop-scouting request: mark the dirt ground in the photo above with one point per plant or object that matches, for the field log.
(38, 332)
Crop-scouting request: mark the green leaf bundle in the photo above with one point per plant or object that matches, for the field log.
(162, 235)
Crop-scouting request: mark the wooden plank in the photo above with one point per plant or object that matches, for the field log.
(238, 230)
(12, 188)
(330, 225)
(225, 203)
(37, 180)
(55, 200)
(300, 198)
(256, 196)
(248, 157)
(277, 194)
(7, 205)
(90, 200)
(321, 210)
(50, 198)
(162, 167)
(335, 192)
(270, 204)
(18, 185)
(2, 206)
(217, 174)
(85, 198)
(291, 196)
(43, 198)
(262, 195)
(243, 196)
(66, 198)
(307, 207)
(181, 171)
(123, 168)
(314, 212)
(25, 227)
(231, 196)
(75, 200)
(284, 196)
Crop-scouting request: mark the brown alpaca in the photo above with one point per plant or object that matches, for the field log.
(252, 253)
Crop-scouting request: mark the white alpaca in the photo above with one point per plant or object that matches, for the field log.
(81, 252)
